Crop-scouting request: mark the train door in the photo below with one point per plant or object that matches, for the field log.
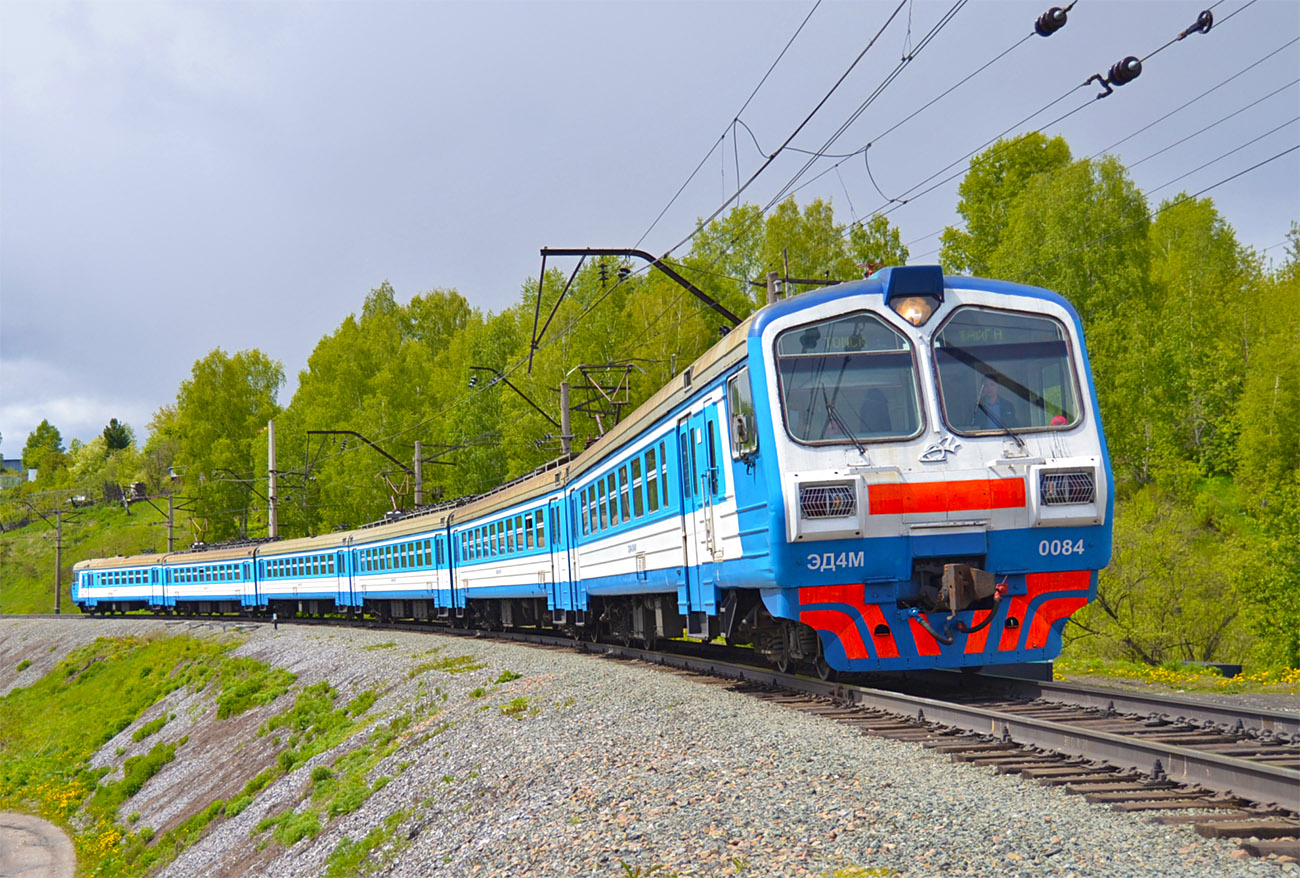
(563, 594)
(457, 591)
(248, 585)
(442, 596)
(342, 580)
(157, 589)
(695, 594)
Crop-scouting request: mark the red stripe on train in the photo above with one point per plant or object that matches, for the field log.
(842, 626)
(956, 496)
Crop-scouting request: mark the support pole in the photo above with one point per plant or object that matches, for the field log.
(58, 562)
(272, 526)
(566, 434)
(419, 475)
(771, 288)
(171, 523)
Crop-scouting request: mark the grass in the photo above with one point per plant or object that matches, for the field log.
(356, 857)
(50, 730)
(515, 707)
(1181, 676)
(150, 728)
(452, 664)
(27, 554)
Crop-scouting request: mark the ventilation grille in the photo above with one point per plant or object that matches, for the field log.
(827, 501)
(1060, 489)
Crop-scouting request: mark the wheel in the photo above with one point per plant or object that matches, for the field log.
(783, 661)
(824, 670)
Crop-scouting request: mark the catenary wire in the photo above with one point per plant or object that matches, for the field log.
(731, 127)
(1152, 214)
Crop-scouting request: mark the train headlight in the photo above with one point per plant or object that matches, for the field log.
(916, 310)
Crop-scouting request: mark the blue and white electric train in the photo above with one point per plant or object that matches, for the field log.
(896, 473)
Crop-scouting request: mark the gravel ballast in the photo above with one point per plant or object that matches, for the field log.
(589, 766)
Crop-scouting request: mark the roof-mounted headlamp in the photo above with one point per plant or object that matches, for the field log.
(915, 292)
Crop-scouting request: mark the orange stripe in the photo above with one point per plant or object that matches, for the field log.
(955, 496)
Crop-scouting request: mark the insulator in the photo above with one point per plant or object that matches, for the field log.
(623, 272)
(1204, 22)
(604, 274)
(1125, 71)
(1050, 21)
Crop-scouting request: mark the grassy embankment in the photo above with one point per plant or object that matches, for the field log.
(51, 728)
(27, 554)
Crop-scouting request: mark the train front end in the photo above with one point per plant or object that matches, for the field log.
(945, 496)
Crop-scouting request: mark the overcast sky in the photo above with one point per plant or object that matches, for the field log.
(176, 177)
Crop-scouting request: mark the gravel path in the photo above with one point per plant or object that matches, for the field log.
(612, 769)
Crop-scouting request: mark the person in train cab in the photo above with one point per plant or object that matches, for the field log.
(993, 411)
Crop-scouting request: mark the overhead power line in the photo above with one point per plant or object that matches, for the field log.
(1153, 214)
(731, 126)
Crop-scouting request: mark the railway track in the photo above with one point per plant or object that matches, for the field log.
(1230, 771)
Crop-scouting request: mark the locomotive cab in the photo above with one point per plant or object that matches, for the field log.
(942, 472)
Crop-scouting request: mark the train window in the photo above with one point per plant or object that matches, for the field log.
(527, 535)
(612, 482)
(663, 474)
(540, 518)
(1002, 371)
(848, 379)
(592, 504)
(744, 422)
(600, 504)
(638, 506)
(582, 504)
(687, 481)
(622, 493)
(652, 480)
(713, 459)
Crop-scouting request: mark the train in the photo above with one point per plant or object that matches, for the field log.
(897, 473)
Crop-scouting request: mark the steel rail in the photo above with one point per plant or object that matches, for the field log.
(1259, 782)
(1175, 709)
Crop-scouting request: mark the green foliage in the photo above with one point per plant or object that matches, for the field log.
(221, 413)
(118, 436)
(150, 728)
(452, 664)
(291, 827)
(247, 683)
(44, 448)
(353, 857)
(24, 665)
(1174, 587)
(362, 702)
(988, 194)
(506, 677)
(515, 707)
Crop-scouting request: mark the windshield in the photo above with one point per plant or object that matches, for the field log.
(848, 379)
(1001, 371)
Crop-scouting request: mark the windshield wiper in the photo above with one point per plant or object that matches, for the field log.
(839, 422)
(997, 422)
